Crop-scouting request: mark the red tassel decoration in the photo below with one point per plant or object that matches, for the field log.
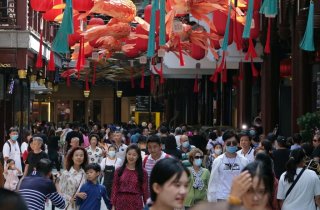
(251, 51)
(241, 72)
(81, 58)
(160, 72)
(51, 66)
(267, 47)
(255, 72)
(151, 83)
(39, 57)
(131, 77)
(142, 78)
(214, 76)
(94, 76)
(180, 52)
(224, 73)
(196, 86)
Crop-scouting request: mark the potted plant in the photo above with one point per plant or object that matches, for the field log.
(309, 123)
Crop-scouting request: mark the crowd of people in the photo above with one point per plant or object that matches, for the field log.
(133, 167)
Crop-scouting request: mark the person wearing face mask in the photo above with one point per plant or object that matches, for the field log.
(199, 179)
(108, 166)
(215, 151)
(11, 149)
(224, 168)
(185, 148)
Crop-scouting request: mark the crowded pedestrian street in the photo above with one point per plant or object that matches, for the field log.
(159, 104)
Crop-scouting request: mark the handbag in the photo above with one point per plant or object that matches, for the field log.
(294, 182)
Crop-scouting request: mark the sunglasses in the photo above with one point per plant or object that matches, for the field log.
(198, 157)
(234, 143)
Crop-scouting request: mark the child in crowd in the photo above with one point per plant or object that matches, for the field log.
(91, 192)
(11, 173)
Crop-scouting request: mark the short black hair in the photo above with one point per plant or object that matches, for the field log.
(163, 129)
(297, 138)
(154, 139)
(229, 134)
(94, 166)
(44, 166)
(142, 139)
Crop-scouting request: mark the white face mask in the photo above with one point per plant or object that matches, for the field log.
(112, 153)
(218, 151)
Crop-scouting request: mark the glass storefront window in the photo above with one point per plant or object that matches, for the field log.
(63, 112)
(97, 111)
(79, 111)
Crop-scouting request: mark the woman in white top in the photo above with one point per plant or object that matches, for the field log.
(108, 166)
(306, 192)
(94, 152)
(74, 177)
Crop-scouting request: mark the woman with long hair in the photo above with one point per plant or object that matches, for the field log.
(169, 182)
(305, 193)
(74, 176)
(130, 182)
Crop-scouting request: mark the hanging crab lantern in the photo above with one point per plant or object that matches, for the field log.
(41, 5)
(197, 52)
(51, 14)
(133, 52)
(82, 5)
(94, 22)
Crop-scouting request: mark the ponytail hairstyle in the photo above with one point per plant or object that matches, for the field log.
(296, 157)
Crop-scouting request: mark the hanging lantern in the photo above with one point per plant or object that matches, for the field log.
(285, 67)
(86, 93)
(82, 5)
(131, 53)
(220, 22)
(22, 73)
(41, 5)
(141, 44)
(197, 52)
(51, 14)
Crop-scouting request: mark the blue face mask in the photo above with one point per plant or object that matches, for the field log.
(185, 144)
(197, 162)
(232, 149)
(14, 137)
(112, 153)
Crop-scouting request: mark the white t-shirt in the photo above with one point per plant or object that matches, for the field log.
(302, 194)
(249, 155)
(24, 147)
(177, 137)
(223, 171)
(121, 152)
(13, 153)
(108, 162)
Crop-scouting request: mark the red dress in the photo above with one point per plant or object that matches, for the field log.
(127, 193)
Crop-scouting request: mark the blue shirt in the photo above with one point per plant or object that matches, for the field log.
(94, 193)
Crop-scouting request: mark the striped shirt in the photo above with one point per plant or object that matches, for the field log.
(36, 189)
(149, 162)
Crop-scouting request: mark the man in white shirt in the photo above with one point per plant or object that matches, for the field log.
(11, 149)
(246, 150)
(224, 168)
(121, 148)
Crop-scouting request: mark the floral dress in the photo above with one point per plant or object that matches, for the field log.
(95, 155)
(70, 183)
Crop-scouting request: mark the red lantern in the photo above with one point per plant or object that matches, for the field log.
(147, 16)
(41, 5)
(285, 68)
(220, 21)
(141, 44)
(82, 5)
(96, 21)
(94, 43)
(197, 52)
(217, 43)
(51, 14)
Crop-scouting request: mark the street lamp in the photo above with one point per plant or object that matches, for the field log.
(86, 93)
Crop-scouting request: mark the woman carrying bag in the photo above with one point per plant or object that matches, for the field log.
(299, 188)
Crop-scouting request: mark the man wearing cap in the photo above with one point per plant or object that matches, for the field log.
(280, 156)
